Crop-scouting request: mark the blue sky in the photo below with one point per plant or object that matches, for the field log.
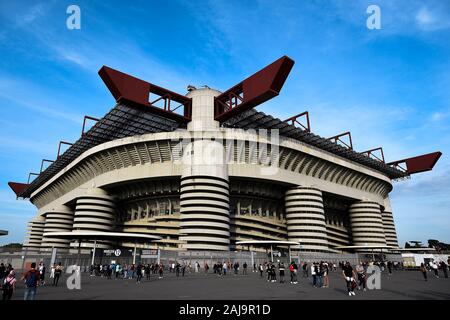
(389, 87)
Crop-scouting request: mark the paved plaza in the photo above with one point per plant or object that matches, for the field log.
(401, 285)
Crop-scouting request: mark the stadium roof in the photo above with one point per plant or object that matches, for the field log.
(124, 120)
(137, 114)
(253, 119)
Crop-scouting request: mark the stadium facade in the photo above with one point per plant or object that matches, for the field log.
(206, 170)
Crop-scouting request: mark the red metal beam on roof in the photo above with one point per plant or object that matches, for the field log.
(371, 153)
(124, 87)
(418, 164)
(84, 122)
(18, 187)
(293, 120)
(338, 137)
(256, 89)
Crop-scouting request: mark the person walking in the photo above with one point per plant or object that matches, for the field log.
(138, 273)
(2, 271)
(444, 268)
(281, 271)
(389, 266)
(177, 269)
(314, 274)
(293, 270)
(225, 267)
(161, 271)
(435, 268)
(41, 274)
(9, 285)
(58, 271)
(423, 269)
(326, 278)
(31, 279)
(244, 268)
(261, 270)
(305, 270)
(361, 276)
(183, 269)
(349, 276)
(52, 271)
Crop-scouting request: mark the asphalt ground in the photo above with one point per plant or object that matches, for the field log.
(199, 286)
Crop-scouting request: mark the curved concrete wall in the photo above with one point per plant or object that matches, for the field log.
(305, 218)
(367, 224)
(58, 220)
(389, 229)
(35, 232)
(204, 197)
(94, 211)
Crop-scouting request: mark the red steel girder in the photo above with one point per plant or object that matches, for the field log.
(338, 137)
(18, 187)
(256, 89)
(127, 88)
(59, 147)
(370, 153)
(32, 174)
(293, 120)
(84, 123)
(42, 164)
(418, 164)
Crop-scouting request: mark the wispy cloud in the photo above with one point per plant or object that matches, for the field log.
(21, 93)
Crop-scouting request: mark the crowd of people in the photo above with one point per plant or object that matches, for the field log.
(318, 273)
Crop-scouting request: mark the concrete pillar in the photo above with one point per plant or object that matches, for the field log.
(367, 224)
(35, 233)
(95, 211)
(388, 225)
(305, 218)
(204, 190)
(59, 219)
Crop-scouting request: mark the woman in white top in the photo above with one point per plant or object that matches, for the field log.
(52, 271)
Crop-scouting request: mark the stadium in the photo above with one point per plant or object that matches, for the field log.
(207, 171)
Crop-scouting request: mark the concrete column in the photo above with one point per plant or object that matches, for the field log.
(35, 232)
(305, 218)
(388, 225)
(367, 224)
(204, 190)
(95, 211)
(59, 219)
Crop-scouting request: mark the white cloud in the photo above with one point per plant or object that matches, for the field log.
(424, 17)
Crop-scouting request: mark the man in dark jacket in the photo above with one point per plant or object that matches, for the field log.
(31, 279)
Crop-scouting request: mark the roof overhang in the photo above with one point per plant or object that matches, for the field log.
(418, 164)
(267, 242)
(90, 235)
(367, 247)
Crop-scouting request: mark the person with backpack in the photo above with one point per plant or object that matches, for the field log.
(9, 285)
(31, 281)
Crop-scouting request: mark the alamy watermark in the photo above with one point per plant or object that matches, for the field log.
(373, 22)
(73, 21)
(74, 280)
(213, 149)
